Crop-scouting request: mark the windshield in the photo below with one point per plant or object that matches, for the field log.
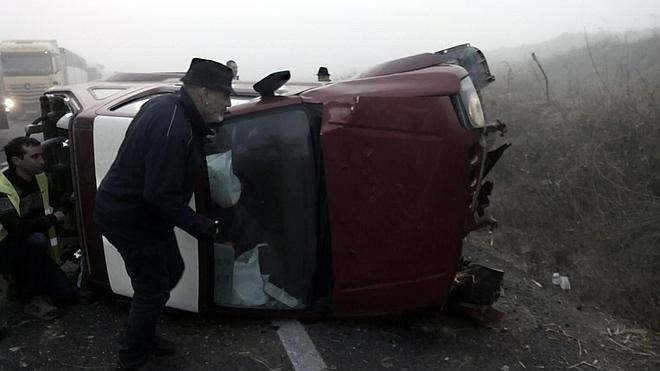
(27, 64)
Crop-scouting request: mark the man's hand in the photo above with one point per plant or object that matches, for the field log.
(59, 215)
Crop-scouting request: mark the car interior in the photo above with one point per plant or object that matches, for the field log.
(263, 176)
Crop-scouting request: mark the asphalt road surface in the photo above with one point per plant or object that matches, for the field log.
(543, 328)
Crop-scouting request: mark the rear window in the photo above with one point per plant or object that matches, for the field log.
(133, 107)
(236, 100)
(100, 93)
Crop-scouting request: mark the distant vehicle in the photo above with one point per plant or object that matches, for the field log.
(30, 67)
(346, 199)
(4, 110)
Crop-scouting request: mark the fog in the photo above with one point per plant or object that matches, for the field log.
(301, 35)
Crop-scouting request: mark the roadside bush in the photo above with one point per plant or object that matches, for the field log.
(579, 191)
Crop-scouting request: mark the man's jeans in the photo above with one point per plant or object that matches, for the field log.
(154, 269)
(34, 271)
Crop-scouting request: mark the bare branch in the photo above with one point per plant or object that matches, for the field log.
(547, 85)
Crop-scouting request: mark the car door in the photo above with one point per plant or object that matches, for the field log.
(109, 129)
(397, 189)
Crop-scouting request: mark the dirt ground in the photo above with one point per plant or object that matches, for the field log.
(543, 328)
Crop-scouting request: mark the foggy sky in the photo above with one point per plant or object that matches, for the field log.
(301, 35)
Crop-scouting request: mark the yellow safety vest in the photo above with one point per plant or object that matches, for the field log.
(7, 188)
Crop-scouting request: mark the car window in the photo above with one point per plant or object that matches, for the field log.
(100, 93)
(134, 106)
(262, 182)
(236, 100)
(71, 104)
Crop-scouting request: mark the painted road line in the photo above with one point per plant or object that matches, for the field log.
(300, 348)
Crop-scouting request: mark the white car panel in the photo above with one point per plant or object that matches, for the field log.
(109, 132)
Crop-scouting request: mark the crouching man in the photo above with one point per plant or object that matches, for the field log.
(27, 232)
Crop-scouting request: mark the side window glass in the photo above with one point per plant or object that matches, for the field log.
(236, 100)
(100, 93)
(133, 107)
(262, 181)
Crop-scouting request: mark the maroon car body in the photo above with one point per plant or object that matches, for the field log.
(392, 163)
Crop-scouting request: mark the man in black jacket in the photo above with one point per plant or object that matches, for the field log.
(146, 193)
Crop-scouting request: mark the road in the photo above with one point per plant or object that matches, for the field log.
(543, 328)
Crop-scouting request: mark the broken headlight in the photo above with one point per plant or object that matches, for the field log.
(468, 106)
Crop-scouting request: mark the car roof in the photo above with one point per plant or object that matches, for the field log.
(426, 74)
(127, 86)
(145, 77)
(86, 94)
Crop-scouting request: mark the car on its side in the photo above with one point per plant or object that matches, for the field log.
(347, 199)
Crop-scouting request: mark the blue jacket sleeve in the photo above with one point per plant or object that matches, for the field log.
(166, 164)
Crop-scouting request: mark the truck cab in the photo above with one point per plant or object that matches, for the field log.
(30, 67)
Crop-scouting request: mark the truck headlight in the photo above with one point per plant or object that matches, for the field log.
(9, 104)
(468, 106)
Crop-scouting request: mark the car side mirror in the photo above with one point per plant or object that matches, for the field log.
(267, 86)
(34, 129)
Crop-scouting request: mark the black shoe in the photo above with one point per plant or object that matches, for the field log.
(163, 347)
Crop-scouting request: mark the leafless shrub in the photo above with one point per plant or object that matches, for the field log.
(581, 185)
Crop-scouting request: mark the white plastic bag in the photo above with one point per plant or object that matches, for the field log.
(280, 295)
(225, 186)
(248, 285)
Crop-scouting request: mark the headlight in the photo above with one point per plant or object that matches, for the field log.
(468, 106)
(9, 104)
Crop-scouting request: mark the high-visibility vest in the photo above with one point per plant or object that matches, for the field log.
(7, 188)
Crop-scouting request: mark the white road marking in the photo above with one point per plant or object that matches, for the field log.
(300, 348)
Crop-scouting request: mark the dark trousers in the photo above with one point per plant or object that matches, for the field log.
(34, 271)
(154, 268)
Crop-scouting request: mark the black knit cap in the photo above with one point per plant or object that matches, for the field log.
(209, 74)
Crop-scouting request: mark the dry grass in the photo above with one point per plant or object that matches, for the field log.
(579, 192)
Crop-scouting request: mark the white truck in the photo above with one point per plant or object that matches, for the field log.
(30, 67)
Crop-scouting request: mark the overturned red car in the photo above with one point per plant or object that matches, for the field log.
(348, 199)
